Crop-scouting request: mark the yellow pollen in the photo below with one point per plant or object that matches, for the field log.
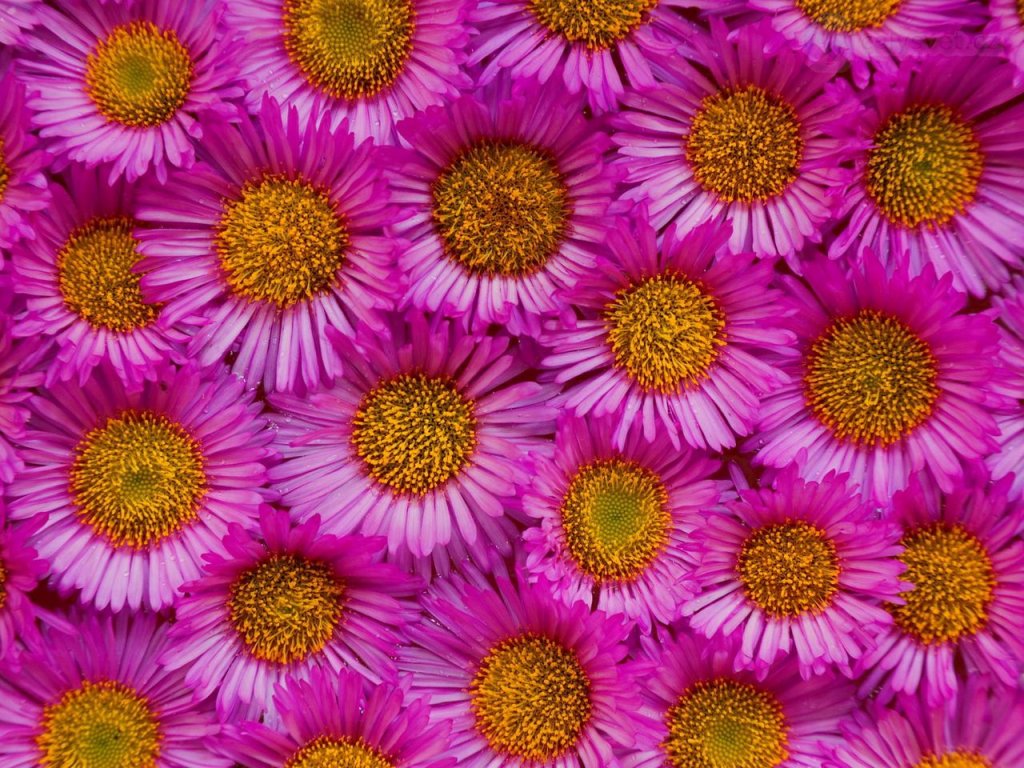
(5, 171)
(870, 379)
(501, 209)
(286, 607)
(325, 752)
(665, 331)
(414, 432)
(959, 759)
(100, 725)
(598, 24)
(616, 519)
(137, 479)
(953, 580)
(140, 75)
(726, 724)
(349, 49)
(848, 15)
(788, 569)
(924, 167)
(96, 277)
(283, 241)
(531, 698)
(745, 144)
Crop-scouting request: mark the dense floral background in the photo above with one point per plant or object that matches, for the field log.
(511, 383)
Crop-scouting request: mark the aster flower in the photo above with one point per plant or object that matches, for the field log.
(672, 337)
(889, 379)
(122, 83)
(369, 62)
(703, 713)
(797, 568)
(977, 731)
(507, 195)
(965, 560)
(19, 372)
(20, 571)
(878, 33)
(275, 237)
(80, 281)
(92, 695)
(418, 441)
(134, 486)
(338, 719)
(1008, 25)
(1009, 459)
(594, 46)
(524, 679)
(614, 523)
(939, 171)
(23, 186)
(738, 134)
(284, 603)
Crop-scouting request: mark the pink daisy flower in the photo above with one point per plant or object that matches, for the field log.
(273, 238)
(1008, 26)
(20, 571)
(92, 695)
(613, 525)
(23, 187)
(965, 560)
(524, 680)
(16, 16)
(599, 47)
(876, 33)
(673, 337)
(80, 280)
(19, 372)
(283, 603)
(888, 379)
(734, 133)
(122, 83)
(370, 62)
(1009, 459)
(134, 486)
(980, 730)
(507, 194)
(419, 441)
(338, 719)
(939, 171)
(703, 713)
(798, 568)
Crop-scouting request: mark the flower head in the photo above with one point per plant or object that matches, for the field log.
(23, 187)
(1009, 459)
(20, 571)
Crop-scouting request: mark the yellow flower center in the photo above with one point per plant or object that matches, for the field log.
(531, 698)
(726, 724)
(325, 752)
(598, 24)
(871, 379)
(95, 272)
(414, 432)
(283, 241)
(959, 759)
(789, 568)
(501, 209)
(848, 15)
(953, 582)
(924, 166)
(137, 479)
(745, 144)
(139, 75)
(616, 519)
(349, 49)
(665, 331)
(5, 171)
(100, 725)
(286, 607)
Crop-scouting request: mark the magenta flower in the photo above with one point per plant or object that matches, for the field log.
(122, 83)
(23, 187)
(20, 571)
(616, 524)
(733, 133)
(1009, 459)
(1008, 26)
(525, 680)
(134, 486)
(19, 372)
(888, 379)
(675, 337)
(370, 63)
(15, 17)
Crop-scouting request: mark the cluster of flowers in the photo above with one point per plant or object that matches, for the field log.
(562, 383)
